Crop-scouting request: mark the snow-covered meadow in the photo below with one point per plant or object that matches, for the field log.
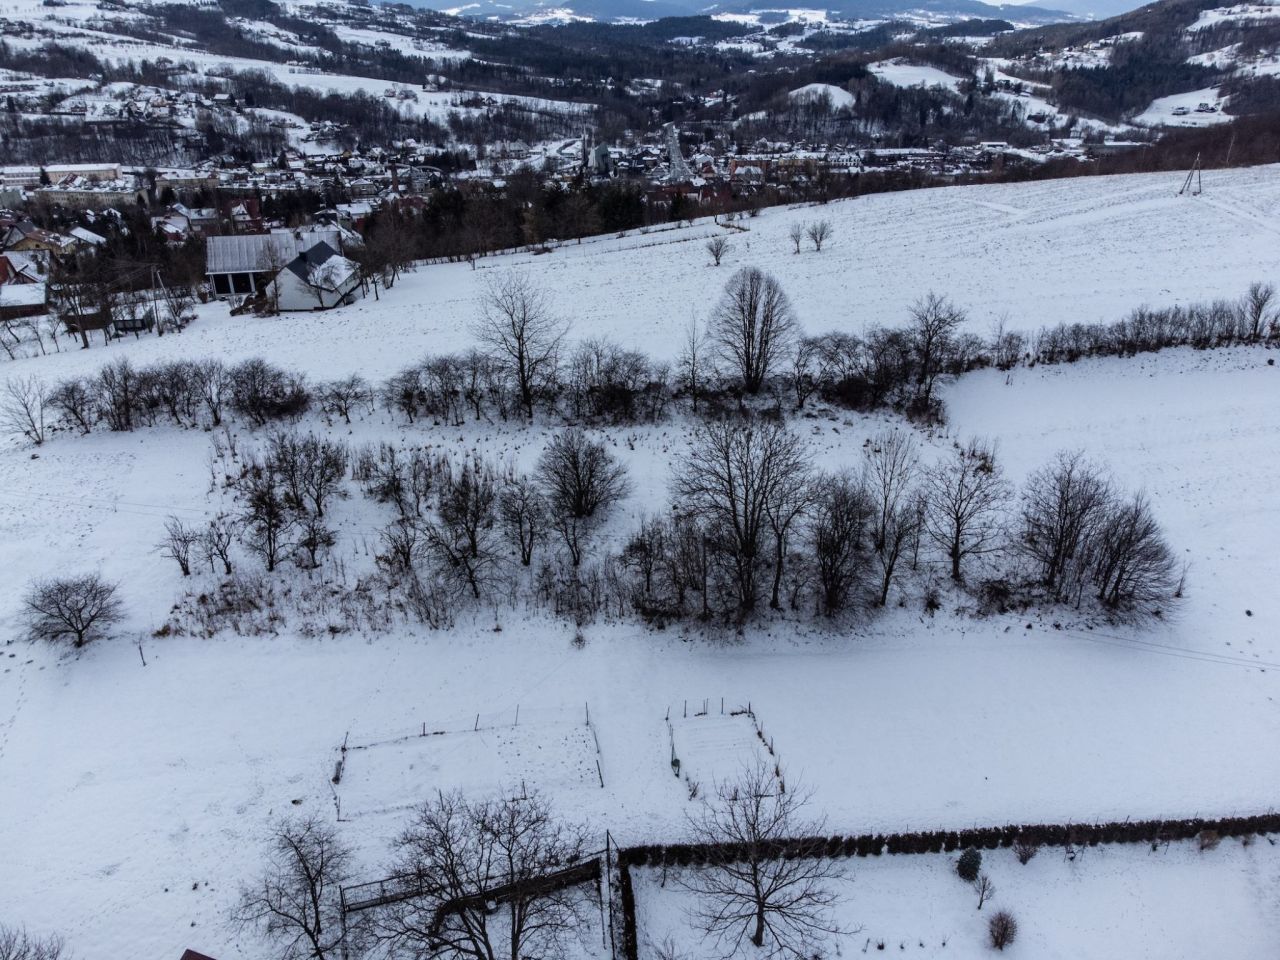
(134, 798)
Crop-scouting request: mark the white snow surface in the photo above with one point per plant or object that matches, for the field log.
(838, 96)
(903, 74)
(1175, 904)
(134, 799)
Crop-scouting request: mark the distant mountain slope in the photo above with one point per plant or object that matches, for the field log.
(623, 10)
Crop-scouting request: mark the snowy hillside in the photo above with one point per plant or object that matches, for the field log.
(138, 778)
(1081, 250)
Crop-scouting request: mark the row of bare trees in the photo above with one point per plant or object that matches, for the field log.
(480, 880)
(123, 397)
(751, 518)
(751, 344)
(751, 523)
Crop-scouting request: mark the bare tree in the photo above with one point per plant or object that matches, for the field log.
(791, 499)
(965, 496)
(482, 867)
(295, 902)
(753, 326)
(25, 399)
(796, 234)
(581, 482)
(517, 324)
(733, 475)
(1256, 308)
(314, 538)
(984, 888)
(17, 944)
(890, 470)
(934, 322)
(340, 397)
(463, 541)
(80, 607)
(1063, 505)
(838, 533)
(217, 539)
(311, 468)
(179, 542)
(819, 232)
(694, 368)
(75, 403)
(1133, 567)
(901, 531)
(214, 384)
(717, 246)
(523, 514)
(1002, 929)
(267, 517)
(751, 891)
(805, 375)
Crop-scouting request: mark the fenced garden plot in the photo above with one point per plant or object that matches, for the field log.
(504, 754)
(713, 742)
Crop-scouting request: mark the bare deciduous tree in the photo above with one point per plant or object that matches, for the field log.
(517, 324)
(985, 888)
(934, 323)
(79, 607)
(74, 401)
(523, 513)
(25, 399)
(1256, 308)
(179, 542)
(694, 368)
(838, 532)
(1063, 504)
(965, 497)
(17, 944)
(463, 541)
(340, 397)
(753, 326)
(819, 232)
(310, 467)
(581, 482)
(1134, 568)
(751, 892)
(216, 541)
(733, 474)
(796, 234)
(214, 384)
(1002, 929)
(481, 865)
(268, 518)
(717, 246)
(295, 903)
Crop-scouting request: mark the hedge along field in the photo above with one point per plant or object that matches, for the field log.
(1073, 838)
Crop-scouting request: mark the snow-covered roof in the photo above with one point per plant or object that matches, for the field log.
(255, 252)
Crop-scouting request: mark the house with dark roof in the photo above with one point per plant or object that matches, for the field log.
(248, 263)
(318, 278)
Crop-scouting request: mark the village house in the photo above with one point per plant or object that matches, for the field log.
(247, 264)
(318, 278)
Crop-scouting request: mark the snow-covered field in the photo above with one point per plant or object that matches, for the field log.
(134, 799)
(903, 74)
(1175, 904)
(1082, 250)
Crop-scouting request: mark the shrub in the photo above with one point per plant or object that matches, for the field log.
(1024, 850)
(969, 865)
(1002, 929)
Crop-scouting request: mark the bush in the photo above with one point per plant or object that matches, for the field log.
(969, 865)
(1024, 850)
(1002, 929)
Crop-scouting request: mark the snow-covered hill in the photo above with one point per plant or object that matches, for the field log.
(134, 799)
